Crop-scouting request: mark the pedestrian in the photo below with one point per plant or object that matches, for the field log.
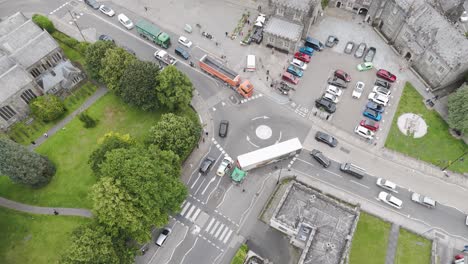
(216, 43)
(268, 72)
(206, 133)
(46, 135)
(33, 142)
(226, 33)
(146, 9)
(267, 78)
(203, 140)
(248, 22)
(55, 212)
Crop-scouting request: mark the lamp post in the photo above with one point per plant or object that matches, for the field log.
(76, 24)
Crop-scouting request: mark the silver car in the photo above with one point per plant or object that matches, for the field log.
(163, 236)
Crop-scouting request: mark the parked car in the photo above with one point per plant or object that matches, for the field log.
(206, 165)
(374, 115)
(369, 124)
(307, 50)
(179, 50)
(302, 57)
(295, 71)
(92, 3)
(388, 185)
(300, 64)
(382, 83)
(326, 138)
(184, 41)
(223, 128)
(320, 158)
(424, 200)
(337, 82)
(390, 200)
(106, 38)
(349, 47)
(358, 89)
(327, 105)
(125, 21)
(225, 165)
(375, 107)
(334, 90)
(360, 50)
(365, 66)
(290, 78)
(314, 43)
(106, 10)
(386, 75)
(370, 54)
(257, 36)
(378, 98)
(331, 41)
(163, 236)
(340, 74)
(381, 90)
(364, 132)
(331, 97)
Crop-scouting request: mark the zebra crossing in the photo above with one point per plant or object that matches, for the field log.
(214, 230)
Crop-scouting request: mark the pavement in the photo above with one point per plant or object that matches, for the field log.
(392, 244)
(44, 210)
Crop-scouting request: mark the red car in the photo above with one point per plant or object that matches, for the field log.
(369, 124)
(342, 75)
(386, 75)
(290, 78)
(302, 57)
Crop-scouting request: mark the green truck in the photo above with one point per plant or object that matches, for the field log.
(149, 31)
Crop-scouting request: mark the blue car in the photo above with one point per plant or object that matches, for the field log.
(295, 71)
(374, 115)
(307, 50)
(375, 107)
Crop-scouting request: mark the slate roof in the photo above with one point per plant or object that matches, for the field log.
(62, 74)
(303, 5)
(284, 29)
(12, 81)
(12, 22)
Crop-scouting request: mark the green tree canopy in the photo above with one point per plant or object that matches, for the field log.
(94, 55)
(168, 161)
(47, 107)
(137, 85)
(458, 109)
(44, 23)
(135, 193)
(178, 134)
(174, 89)
(24, 166)
(114, 63)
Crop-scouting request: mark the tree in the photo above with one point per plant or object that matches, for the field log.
(169, 162)
(88, 121)
(174, 89)
(114, 63)
(47, 107)
(175, 133)
(109, 142)
(137, 85)
(135, 194)
(44, 23)
(458, 109)
(94, 55)
(24, 166)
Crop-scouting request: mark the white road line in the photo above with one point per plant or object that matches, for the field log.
(185, 201)
(224, 196)
(223, 234)
(201, 184)
(180, 242)
(188, 251)
(185, 208)
(193, 185)
(208, 185)
(195, 215)
(209, 225)
(219, 230)
(333, 173)
(214, 189)
(190, 211)
(365, 186)
(253, 201)
(227, 237)
(306, 162)
(214, 228)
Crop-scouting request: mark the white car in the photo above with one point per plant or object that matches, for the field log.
(390, 200)
(107, 10)
(163, 236)
(424, 200)
(357, 92)
(331, 97)
(125, 21)
(382, 90)
(300, 64)
(334, 90)
(378, 98)
(185, 42)
(388, 185)
(224, 166)
(364, 132)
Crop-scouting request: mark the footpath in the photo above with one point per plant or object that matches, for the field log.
(44, 210)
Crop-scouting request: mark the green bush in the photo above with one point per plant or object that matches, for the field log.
(65, 39)
(324, 4)
(241, 254)
(88, 121)
(82, 46)
(47, 107)
(44, 23)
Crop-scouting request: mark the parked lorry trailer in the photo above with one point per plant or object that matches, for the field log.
(165, 57)
(148, 30)
(228, 76)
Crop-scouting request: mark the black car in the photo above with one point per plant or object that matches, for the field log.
(383, 83)
(320, 158)
(326, 138)
(337, 82)
(370, 54)
(93, 4)
(331, 41)
(223, 128)
(257, 36)
(106, 38)
(206, 165)
(327, 105)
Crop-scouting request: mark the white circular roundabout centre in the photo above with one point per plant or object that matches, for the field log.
(412, 125)
(263, 132)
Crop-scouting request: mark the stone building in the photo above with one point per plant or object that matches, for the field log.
(289, 22)
(356, 6)
(31, 64)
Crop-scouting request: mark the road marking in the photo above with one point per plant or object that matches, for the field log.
(223, 234)
(212, 191)
(182, 205)
(209, 225)
(224, 196)
(201, 184)
(195, 215)
(180, 242)
(227, 237)
(190, 211)
(185, 208)
(365, 186)
(306, 162)
(188, 251)
(193, 185)
(219, 230)
(208, 185)
(333, 173)
(214, 228)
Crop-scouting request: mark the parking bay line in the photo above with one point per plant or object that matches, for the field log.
(365, 186)
(333, 173)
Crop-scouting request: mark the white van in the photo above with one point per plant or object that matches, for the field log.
(250, 63)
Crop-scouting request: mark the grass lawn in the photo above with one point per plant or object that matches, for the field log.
(70, 148)
(370, 241)
(30, 238)
(412, 248)
(437, 146)
(241, 254)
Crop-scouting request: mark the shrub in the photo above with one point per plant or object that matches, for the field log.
(65, 39)
(47, 107)
(44, 23)
(88, 121)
